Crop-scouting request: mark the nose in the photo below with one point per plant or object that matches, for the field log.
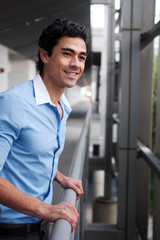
(74, 62)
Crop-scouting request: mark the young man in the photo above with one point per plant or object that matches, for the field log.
(32, 132)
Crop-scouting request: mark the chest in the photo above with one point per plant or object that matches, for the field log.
(43, 131)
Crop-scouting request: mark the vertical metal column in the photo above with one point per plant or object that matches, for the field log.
(145, 120)
(130, 54)
(156, 211)
(110, 98)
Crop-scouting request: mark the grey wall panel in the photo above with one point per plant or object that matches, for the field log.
(124, 97)
(134, 89)
(145, 120)
(142, 203)
(122, 189)
(145, 96)
(156, 214)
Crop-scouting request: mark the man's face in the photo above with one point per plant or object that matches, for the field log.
(66, 64)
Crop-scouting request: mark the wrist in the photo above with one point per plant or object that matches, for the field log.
(59, 177)
(43, 211)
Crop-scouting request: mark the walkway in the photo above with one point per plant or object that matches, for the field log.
(73, 131)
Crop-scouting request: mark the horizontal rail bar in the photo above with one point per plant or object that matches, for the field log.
(62, 228)
(97, 163)
(150, 158)
(148, 37)
(118, 21)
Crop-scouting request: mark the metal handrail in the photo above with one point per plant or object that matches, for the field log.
(148, 37)
(145, 153)
(62, 228)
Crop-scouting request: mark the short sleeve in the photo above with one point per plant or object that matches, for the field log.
(11, 119)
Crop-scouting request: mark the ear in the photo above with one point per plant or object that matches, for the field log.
(43, 55)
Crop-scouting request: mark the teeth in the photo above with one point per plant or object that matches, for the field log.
(70, 73)
(73, 74)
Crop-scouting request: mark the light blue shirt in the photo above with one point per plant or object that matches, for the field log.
(31, 140)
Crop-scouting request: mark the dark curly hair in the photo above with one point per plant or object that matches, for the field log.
(50, 36)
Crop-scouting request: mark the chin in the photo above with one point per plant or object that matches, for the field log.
(71, 84)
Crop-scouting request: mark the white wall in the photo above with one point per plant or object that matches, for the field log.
(3, 64)
(99, 44)
(17, 68)
(21, 69)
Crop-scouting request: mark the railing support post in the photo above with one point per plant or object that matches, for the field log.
(127, 144)
(109, 102)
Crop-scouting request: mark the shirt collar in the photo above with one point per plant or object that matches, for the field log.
(42, 95)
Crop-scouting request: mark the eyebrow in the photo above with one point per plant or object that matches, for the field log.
(71, 50)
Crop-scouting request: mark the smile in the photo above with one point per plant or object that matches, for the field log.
(71, 73)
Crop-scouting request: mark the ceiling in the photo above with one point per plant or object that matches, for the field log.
(21, 21)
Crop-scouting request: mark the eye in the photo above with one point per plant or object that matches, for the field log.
(82, 58)
(67, 54)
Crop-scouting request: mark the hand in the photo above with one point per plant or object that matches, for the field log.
(74, 184)
(63, 210)
(67, 182)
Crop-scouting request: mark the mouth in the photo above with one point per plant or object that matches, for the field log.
(71, 73)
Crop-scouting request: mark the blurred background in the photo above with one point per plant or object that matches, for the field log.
(121, 86)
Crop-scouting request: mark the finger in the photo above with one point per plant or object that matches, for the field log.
(71, 215)
(73, 222)
(81, 187)
(77, 187)
(80, 191)
(79, 196)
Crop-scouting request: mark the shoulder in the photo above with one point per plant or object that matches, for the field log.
(22, 88)
(18, 92)
(11, 111)
(11, 101)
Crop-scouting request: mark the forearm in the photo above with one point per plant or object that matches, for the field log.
(13, 198)
(59, 177)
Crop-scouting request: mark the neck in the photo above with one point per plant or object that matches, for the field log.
(54, 91)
